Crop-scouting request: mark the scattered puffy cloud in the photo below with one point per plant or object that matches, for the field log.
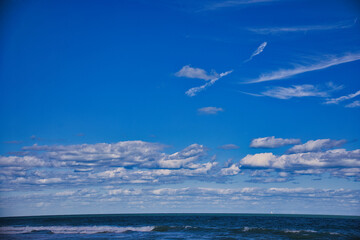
(138, 162)
(329, 158)
(353, 104)
(342, 98)
(190, 72)
(127, 162)
(316, 145)
(259, 50)
(23, 161)
(272, 142)
(229, 147)
(210, 110)
(272, 30)
(323, 64)
(234, 169)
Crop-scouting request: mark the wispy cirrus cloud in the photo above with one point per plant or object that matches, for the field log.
(210, 110)
(342, 98)
(232, 3)
(190, 72)
(272, 142)
(274, 30)
(353, 104)
(323, 64)
(306, 90)
(259, 50)
(193, 91)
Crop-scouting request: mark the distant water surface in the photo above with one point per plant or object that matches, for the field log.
(181, 226)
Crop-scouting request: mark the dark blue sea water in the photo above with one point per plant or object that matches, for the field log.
(181, 226)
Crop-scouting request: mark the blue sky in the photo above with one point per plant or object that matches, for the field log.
(179, 106)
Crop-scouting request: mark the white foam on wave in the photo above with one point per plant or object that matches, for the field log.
(73, 229)
(247, 229)
(299, 231)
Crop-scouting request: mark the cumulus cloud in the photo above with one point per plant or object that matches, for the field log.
(272, 142)
(23, 161)
(259, 50)
(272, 30)
(127, 162)
(190, 72)
(234, 169)
(126, 153)
(316, 145)
(138, 162)
(342, 98)
(328, 159)
(210, 110)
(323, 64)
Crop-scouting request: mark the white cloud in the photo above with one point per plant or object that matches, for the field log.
(135, 162)
(316, 145)
(229, 147)
(126, 192)
(193, 91)
(270, 30)
(138, 162)
(241, 192)
(272, 142)
(342, 98)
(353, 104)
(305, 90)
(48, 180)
(328, 159)
(326, 63)
(230, 171)
(22, 161)
(183, 158)
(259, 160)
(65, 193)
(210, 110)
(259, 50)
(190, 72)
(172, 199)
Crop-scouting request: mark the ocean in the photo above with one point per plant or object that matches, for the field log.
(181, 226)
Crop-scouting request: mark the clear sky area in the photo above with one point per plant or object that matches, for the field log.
(134, 106)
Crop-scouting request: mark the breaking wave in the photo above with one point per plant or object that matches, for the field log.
(72, 229)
